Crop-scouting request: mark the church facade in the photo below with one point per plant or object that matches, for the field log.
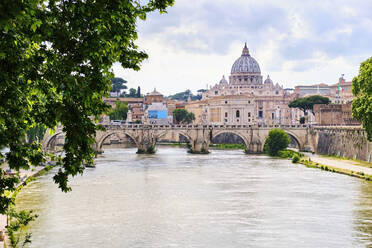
(245, 98)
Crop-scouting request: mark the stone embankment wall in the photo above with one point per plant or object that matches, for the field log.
(348, 142)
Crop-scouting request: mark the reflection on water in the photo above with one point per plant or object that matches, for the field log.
(224, 199)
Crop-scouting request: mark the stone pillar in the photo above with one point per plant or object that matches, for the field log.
(200, 141)
(146, 142)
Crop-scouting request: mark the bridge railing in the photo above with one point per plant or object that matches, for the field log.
(200, 126)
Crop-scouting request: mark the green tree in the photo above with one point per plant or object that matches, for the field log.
(138, 92)
(36, 133)
(132, 92)
(120, 111)
(118, 84)
(362, 90)
(183, 96)
(307, 103)
(183, 116)
(302, 120)
(56, 58)
(276, 141)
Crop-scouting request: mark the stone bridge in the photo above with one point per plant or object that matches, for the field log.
(199, 136)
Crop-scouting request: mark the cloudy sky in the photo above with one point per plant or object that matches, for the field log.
(294, 41)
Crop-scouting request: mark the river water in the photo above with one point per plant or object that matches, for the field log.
(224, 199)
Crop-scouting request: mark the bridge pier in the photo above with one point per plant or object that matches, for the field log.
(253, 148)
(200, 141)
(146, 142)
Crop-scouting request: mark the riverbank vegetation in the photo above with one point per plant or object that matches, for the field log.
(354, 161)
(276, 141)
(276, 144)
(362, 90)
(308, 163)
(228, 146)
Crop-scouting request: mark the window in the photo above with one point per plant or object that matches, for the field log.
(272, 116)
(249, 114)
(249, 102)
(260, 114)
(249, 120)
(226, 114)
(216, 92)
(237, 114)
(225, 102)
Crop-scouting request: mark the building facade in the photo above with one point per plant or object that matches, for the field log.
(245, 99)
(338, 93)
(334, 114)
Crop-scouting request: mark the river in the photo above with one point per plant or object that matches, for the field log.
(224, 199)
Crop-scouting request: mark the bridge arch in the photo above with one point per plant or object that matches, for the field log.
(118, 133)
(215, 134)
(50, 139)
(295, 138)
(178, 132)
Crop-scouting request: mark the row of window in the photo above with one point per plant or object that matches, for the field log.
(237, 114)
(249, 120)
(249, 102)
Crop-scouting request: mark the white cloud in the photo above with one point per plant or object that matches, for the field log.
(293, 41)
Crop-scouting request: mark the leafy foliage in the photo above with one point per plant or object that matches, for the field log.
(287, 153)
(56, 58)
(184, 96)
(36, 133)
(183, 116)
(19, 220)
(362, 90)
(295, 159)
(302, 120)
(118, 84)
(132, 92)
(307, 103)
(120, 111)
(276, 141)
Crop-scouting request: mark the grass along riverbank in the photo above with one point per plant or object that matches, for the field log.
(353, 161)
(359, 169)
(350, 172)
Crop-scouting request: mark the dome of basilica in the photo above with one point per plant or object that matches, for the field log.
(223, 80)
(246, 63)
(268, 80)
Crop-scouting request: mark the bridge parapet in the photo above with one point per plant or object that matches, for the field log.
(192, 126)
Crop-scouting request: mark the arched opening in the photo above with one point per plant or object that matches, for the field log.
(228, 140)
(56, 142)
(117, 140)
(294, 144)
(183, 139)
(237, 114)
